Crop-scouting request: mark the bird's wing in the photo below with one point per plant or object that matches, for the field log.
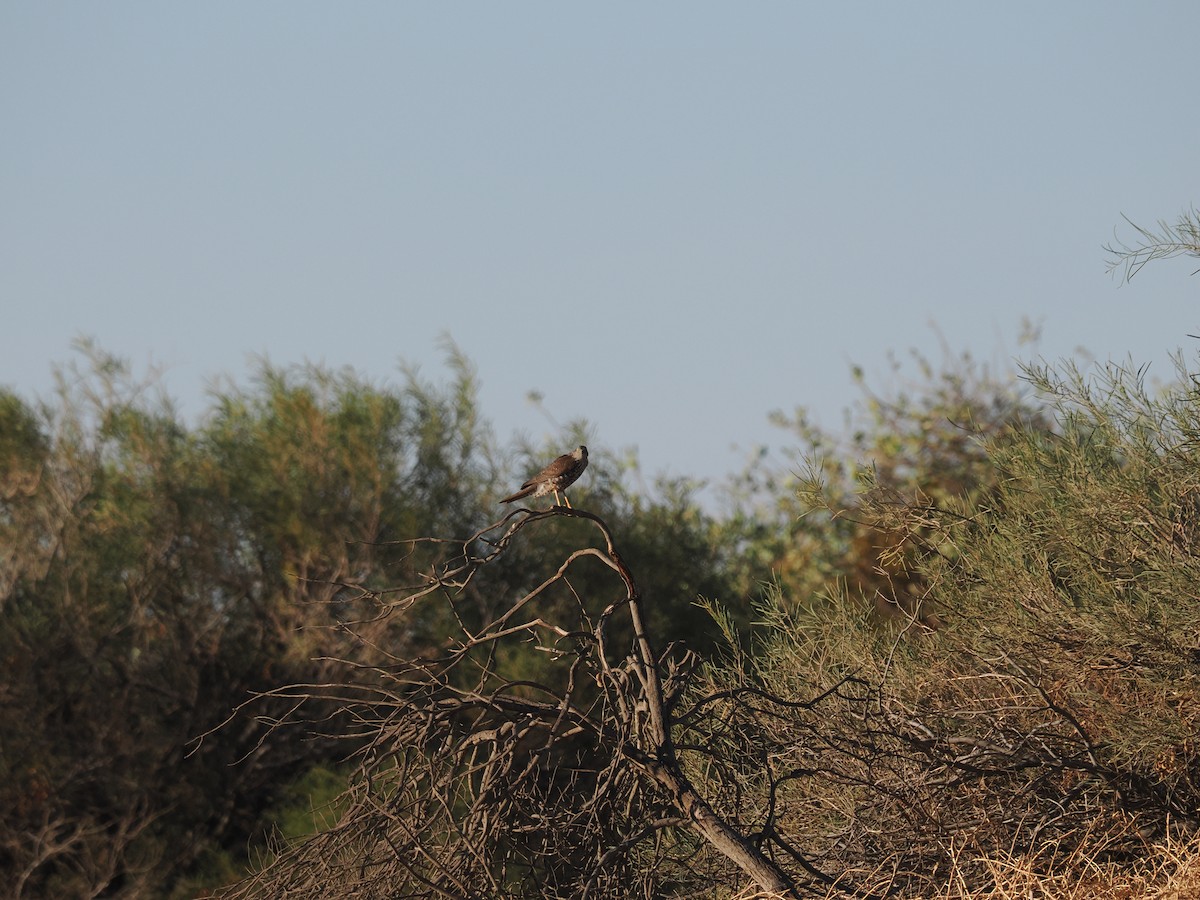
(555, 469)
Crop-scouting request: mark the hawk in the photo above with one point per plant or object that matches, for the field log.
(558, 476)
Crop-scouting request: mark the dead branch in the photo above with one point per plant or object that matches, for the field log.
(476, 777)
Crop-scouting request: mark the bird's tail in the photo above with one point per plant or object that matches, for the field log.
(523, 492)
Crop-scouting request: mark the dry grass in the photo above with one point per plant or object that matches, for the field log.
(1169, 870)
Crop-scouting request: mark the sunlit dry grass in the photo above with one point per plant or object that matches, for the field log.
(1169, 870)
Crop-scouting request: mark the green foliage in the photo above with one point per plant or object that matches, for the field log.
(925, 444)
(158, 574)
(1098, 552)
(1054, 708)
(308, 805)
(1004, 571)
(1166, 240)
(155, 575)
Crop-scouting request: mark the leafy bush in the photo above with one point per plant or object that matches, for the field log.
(1052, 714)
(156, 575)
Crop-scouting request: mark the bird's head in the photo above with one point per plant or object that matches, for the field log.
(580, 452)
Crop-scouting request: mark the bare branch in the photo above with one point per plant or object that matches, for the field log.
(473, 779)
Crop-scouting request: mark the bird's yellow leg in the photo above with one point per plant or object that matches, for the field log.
(567, 500)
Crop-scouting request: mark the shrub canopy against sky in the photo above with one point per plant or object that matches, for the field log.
(155, 573)
(659, 217)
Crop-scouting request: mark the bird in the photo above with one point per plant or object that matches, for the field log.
(558, 476)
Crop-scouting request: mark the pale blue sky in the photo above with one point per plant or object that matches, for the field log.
(670, 218)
